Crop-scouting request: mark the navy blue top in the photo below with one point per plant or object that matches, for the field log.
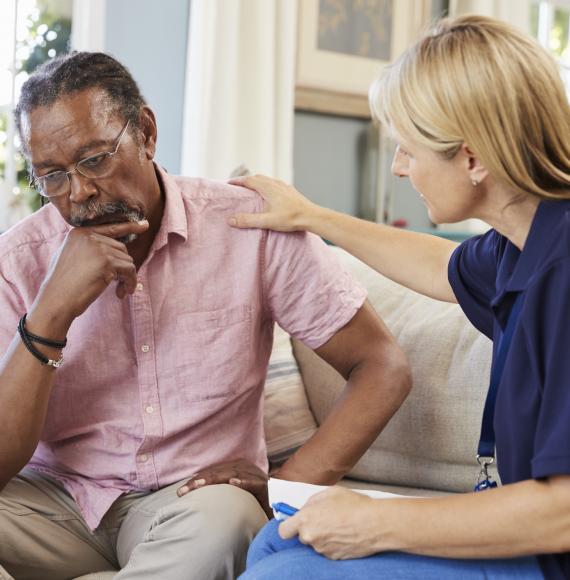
(532, 413)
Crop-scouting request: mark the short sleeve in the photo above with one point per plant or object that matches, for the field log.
(472, 273)
(548, 332)
(309, 293)
(11, 308)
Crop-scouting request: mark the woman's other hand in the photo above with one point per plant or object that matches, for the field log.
(338, 523)
(286, 210)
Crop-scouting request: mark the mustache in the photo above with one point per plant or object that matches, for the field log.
(86, 213)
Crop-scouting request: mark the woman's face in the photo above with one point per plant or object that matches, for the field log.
(443, 184)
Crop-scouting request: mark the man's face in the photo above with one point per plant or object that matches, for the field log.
(79, 126)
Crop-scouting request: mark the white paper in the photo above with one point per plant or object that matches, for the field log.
(296, 493)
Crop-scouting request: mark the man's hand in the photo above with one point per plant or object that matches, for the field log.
(87, 262)
(240, 473)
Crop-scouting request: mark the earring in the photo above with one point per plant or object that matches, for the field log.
(474, 183)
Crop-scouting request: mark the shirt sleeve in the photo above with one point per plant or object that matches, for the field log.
(548, 331)
(472, 272)
(11, 308)
(309, 293)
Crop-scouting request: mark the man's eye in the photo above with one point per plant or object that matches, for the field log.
(92, 162)
(53, 177)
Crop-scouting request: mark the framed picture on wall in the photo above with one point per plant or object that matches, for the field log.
(343, 44)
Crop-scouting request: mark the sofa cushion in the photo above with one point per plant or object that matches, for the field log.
(98, 576)
(431, 442)
(288, 420)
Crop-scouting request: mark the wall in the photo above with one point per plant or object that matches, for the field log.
(149, 37)
(327, 159)
(330, 161)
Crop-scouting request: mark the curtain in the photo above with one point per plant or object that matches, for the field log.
(239, 96)
(88, 29)
(516, 12)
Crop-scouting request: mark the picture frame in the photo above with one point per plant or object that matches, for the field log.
(343, 44)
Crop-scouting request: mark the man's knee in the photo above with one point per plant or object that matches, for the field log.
(207, 531)
(228, 514)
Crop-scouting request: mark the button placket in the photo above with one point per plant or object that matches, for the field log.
(143, 336)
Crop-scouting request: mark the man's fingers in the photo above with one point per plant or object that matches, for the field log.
(190, 485)
(124, 271)
(121, 229)
(239, 472)
(120, 291)
(201, 481)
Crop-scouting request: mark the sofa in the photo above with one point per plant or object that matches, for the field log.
(429, 447)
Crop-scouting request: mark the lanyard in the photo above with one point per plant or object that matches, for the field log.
(486, 449)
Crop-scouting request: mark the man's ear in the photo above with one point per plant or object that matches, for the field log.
(476, 171)
(148, 131)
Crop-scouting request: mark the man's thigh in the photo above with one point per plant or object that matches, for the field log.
(203, 535)
(43, 535)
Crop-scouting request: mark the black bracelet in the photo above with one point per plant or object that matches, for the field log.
(27, 340)
(35, 338)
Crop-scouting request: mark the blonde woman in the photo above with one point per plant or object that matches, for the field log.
(482, 124)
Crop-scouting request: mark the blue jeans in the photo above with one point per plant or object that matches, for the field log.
(272, 558)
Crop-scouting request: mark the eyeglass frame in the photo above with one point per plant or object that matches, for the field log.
(34, 181)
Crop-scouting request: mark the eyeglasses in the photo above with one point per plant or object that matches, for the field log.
(93, 167)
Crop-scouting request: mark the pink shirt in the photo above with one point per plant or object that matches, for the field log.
(170, 380)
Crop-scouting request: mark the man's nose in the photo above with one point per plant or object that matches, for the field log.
(81, 188)
(399, 164)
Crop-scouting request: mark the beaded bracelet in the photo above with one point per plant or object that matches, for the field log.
(27, 338)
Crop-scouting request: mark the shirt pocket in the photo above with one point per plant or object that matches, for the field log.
(213, 352)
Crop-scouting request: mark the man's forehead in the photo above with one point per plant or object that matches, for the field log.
(85, 108)
(82, 115)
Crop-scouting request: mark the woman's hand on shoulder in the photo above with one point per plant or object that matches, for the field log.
(286, 210)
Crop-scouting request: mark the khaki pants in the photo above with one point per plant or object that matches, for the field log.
(202, 535)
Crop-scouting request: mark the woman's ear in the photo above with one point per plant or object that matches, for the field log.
(476, 171)
(148, 131)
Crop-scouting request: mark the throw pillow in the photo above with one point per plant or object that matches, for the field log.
(288, 420)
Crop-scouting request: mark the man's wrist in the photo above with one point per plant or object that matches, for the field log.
(48, 322)
(295, 470)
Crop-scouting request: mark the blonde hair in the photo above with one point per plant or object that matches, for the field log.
(480, 81)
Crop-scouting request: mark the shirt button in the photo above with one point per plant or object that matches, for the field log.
(149, 409)
(143, 457)
(139, 287)
(145, 348)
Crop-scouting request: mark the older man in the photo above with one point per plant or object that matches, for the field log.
(142, 449)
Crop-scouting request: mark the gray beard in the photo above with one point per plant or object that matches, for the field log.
(85, 214)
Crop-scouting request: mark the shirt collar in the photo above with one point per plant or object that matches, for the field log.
(174, 220)
(517, 268)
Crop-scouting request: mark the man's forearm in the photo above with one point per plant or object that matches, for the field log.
(25, 387)
(89, 260)
(373, 393)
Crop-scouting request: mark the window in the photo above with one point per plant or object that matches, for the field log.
(550, 24)
(31, 31)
